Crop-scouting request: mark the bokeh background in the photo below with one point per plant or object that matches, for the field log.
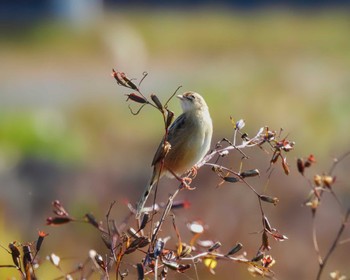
(66, 132)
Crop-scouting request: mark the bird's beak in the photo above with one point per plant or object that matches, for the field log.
(181, 97)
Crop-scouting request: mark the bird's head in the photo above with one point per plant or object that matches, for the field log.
(192, 101)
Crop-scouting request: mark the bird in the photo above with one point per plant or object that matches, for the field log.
(189, 137)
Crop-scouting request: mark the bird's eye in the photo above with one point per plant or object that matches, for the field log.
(190, 97)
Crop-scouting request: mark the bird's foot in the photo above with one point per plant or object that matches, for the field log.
(185, 183)
(193, 172)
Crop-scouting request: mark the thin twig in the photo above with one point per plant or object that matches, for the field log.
(334, 245)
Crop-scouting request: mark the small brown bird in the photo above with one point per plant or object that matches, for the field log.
(189, 137)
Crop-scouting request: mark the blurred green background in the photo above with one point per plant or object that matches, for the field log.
(66, 132)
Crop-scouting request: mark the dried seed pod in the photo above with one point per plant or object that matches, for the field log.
(169, 118)
(136, 98)
(269, 199)
(300, 166)
(259, 256)
(231, 179)
(140, 271)
(265, 241)
(144, 221)
(107, 240)
(235, 249)
(215, 246)
(15, 254)
(179, 204)
(250, 173)
(27, 256)
(285, 166)
(100, 262)
(92, 220)
(40, 240)
(157, 101)
(129, 83)
(267, 224)
(55, 221)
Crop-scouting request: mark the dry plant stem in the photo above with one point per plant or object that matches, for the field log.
(323, 262)
(333, 246)
(314, 239)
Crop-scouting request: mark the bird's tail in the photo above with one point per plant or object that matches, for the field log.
(143, 199)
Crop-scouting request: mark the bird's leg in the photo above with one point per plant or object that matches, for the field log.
(185, 181)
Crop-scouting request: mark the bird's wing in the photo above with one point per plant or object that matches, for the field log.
(173, 132)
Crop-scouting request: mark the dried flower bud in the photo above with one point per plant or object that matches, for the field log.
(310, 160)
(40, 240)
(328, 181)
(318, 180)
(235, 249)
(268, 261)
